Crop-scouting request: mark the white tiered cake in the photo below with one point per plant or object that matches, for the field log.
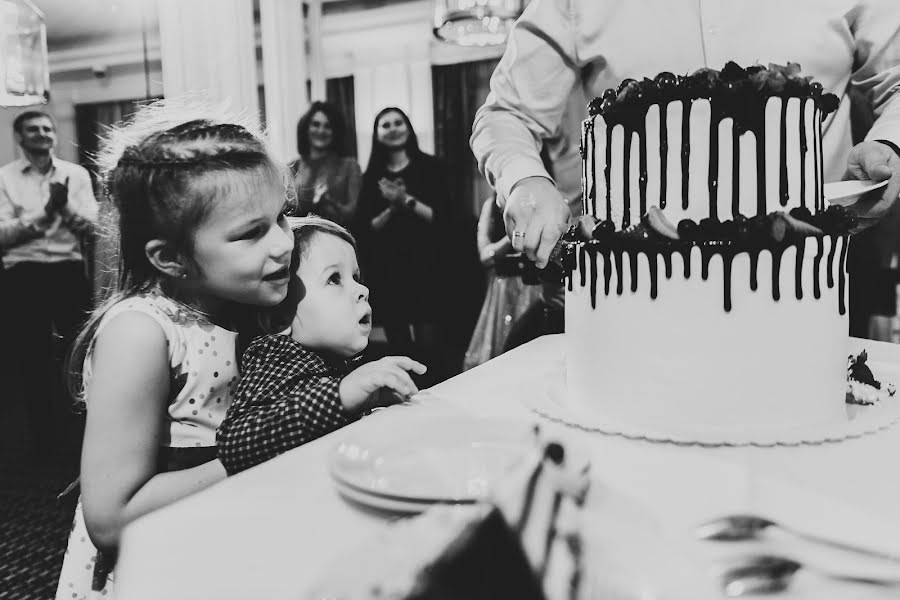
(734, 324)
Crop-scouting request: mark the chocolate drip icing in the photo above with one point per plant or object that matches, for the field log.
(607, 272)
(663, 153)
(727, 260)
(582, 256)
(802, 152)
(617, 255)
(592, 190)
(713, 175)
(632, 264)
(817, 260)
(820, 174)
(607, 171)
(830, 278)
(817, 190)
(613, 259)
(685, 151)
(782, 155)
(776, 274)
(632, 124)
(686, 257)
(754, 269)
(736, 172)
(842, 277)
(705, 256)
(798, 271)
(641, 130)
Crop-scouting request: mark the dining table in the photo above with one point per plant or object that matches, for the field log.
(272, 531)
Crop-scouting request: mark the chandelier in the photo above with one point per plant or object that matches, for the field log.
(24, 73)
(475, 22)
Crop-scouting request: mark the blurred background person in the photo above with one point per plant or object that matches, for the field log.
(508, 296)
(326, 179)
(47, 208)
(398, 228)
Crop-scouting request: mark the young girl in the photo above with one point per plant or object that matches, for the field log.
(203, 239)
(298, 387)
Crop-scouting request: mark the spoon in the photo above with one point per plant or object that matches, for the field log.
(769, 574)
(737, 528)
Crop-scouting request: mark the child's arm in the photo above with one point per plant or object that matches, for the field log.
(125, 421)
(260, 426)
(286, 399)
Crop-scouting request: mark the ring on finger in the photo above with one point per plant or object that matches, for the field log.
(518, 234)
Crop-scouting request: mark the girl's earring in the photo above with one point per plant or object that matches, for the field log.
(183, 276)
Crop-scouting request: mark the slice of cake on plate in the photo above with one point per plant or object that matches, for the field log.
(523, 545)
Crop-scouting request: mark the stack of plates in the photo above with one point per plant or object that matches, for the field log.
(432, 459)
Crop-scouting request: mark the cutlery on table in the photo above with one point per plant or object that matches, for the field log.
(770, 574)
(737, 528)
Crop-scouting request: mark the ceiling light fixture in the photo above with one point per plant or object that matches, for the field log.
(24, 71)
(476, 22)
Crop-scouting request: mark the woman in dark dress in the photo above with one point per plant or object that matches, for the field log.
(398, 227)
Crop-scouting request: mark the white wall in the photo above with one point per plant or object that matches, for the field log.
(389, 50)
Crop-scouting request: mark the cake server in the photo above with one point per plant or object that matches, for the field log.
(736, 528)
(848, 192)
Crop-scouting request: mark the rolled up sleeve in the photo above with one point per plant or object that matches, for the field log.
(528, 94)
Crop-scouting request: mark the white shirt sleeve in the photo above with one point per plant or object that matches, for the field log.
(81, 195)
(875, 26)
(529, 90)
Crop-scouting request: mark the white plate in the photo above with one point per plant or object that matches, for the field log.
(432, 458)
(845, 193)
(860, 421)
(381, 503)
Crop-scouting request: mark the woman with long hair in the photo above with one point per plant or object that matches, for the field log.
(326, 179)
(401, 203)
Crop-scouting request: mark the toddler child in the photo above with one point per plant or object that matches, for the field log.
(203, 242)
(299, 386)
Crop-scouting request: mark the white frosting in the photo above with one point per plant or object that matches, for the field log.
(681, 362)
(698, 163)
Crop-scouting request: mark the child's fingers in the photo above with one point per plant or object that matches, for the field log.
(399, 381)
(408, 364)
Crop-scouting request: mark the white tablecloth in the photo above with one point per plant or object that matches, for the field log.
(268, 532)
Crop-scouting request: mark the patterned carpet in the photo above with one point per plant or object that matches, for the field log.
(33, 527)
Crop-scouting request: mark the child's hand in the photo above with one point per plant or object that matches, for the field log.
(393, 191)
(359, 390)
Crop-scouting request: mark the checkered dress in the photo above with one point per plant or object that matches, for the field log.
(287, 396)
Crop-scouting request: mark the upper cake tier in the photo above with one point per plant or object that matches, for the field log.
(711, 144)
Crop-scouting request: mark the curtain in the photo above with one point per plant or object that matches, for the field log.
(459, 90)
(340, 92)
(101, 250)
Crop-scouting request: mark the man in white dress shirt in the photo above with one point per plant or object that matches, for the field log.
(559, 46)
(47, 207)
(595, 44)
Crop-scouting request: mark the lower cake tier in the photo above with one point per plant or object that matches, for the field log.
(707, 340)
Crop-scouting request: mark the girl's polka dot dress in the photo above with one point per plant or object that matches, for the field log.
(203, 378)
